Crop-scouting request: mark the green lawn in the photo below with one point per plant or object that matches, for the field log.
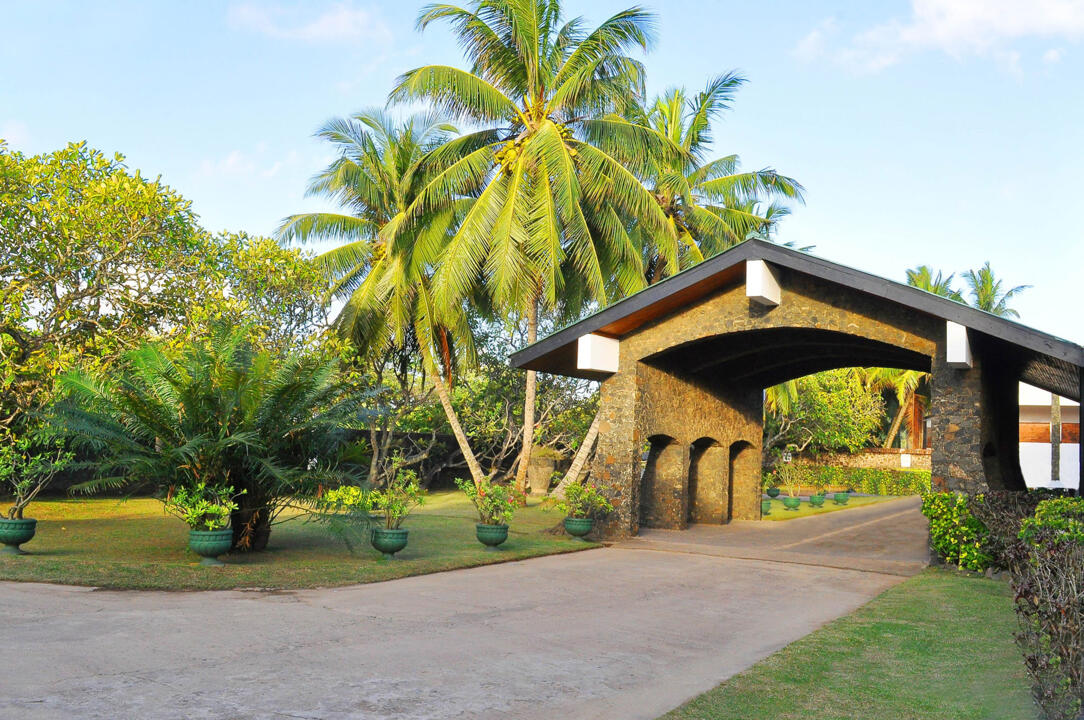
(131, 544)
(937, 646)
(805, 509)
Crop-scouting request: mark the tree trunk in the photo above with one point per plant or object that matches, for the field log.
(897, 421)
(251, 522)
(453, 419)
(582, 455)
(528, 402)
(1055, 438)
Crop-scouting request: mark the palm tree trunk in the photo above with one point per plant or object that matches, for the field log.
(574, 471)
(528, 402)
(453, 419)
(1055, 438)
(897, 421)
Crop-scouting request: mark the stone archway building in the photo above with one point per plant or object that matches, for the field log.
(683, 365)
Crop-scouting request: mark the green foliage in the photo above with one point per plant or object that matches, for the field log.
(831, 411)
(790, 477)
(955, 534)
(496, 504)
(1047, 566)
(92, 258)
(348, 498)
(28, 463)
(201, 506)
(218, 412)
(585, 500)
(873, 481)
(1058, 518)
(395, 501)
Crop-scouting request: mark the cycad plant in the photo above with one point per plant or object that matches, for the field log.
(216, 412)
(551, 207)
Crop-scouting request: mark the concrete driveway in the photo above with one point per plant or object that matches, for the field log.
(622, 632)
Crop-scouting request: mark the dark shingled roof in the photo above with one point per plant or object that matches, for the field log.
(1048, 362)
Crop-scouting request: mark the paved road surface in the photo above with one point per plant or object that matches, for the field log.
(623, 632)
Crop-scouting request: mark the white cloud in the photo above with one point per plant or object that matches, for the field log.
(342, 22)
(234, 164)
(16, 134)
(1053, 56)
(814, 44)
(959, 28)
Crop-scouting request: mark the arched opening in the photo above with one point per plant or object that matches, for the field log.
(709, 482)
(743, 471)
(662, 483)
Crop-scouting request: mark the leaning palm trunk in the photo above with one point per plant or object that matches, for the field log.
(897, 421)
(453, 419)
(528, 403)
(578, 462)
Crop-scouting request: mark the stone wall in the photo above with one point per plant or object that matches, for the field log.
(875, 458)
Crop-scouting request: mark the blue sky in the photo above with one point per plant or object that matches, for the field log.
(946, 132)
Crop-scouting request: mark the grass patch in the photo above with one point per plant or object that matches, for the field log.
(132, 545)
(805, 509)
(938, 645)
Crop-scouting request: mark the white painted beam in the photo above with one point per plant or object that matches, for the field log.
(761, 284)
(597, 353)
(957, 348)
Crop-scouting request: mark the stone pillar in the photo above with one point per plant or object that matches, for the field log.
(974, 414)
(617, 455)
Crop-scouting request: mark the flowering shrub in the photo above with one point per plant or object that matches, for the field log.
(495, 503)
(955, 534)
(398, 498)
(585, 501)
(202, 507)
(347, 499)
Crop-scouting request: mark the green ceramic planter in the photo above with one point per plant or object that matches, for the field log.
(765, 507)
(389, 542)
(773, 492)
(816, 500)
(840, 498)
(209, 544)
(491, 535)
(578, 527)
(14, 533)
(791, 503)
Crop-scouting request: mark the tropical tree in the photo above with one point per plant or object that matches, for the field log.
(903, 384)
(710, 205)
(551, 205)
(382, 270)
(923, 277)
(987, 294)
(218, 412)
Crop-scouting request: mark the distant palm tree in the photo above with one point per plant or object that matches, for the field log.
(381, 272)
(903, 384)
(986, 292)
(923, 278)
(711, 205)
(551, 206)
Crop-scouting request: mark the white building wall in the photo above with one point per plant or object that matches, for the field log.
(1035, 457)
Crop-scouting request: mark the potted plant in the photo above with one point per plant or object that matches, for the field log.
(207, 511)
(394, 502)
(790, 479)
(495, 505)
(766, 507)
(767, 482)
(28, 463)
(841, 498)
(819, 483)
(582, 504)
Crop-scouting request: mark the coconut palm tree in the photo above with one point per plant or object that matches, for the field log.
(710, 205)
(903, 384)
(552, 206)
(924, 278)
(378, 270)
(986, 292)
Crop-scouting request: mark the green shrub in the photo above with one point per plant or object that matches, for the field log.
(202, 507)
(495, 503)
(586, 501)
(873, 481)
(955, 534)
(1047, 567)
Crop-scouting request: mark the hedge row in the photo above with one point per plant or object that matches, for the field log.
(873, 481)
